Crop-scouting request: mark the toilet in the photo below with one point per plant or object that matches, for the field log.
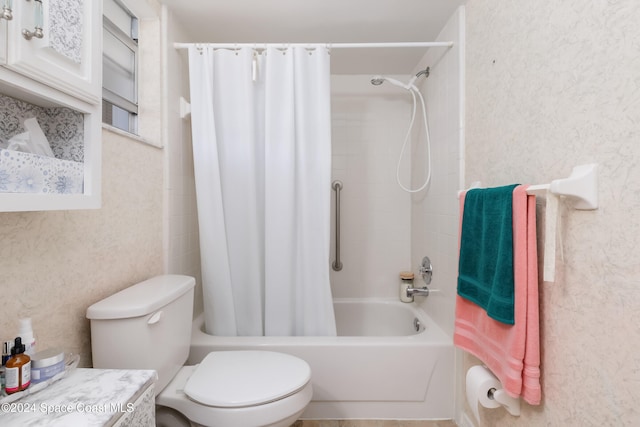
(148, 326)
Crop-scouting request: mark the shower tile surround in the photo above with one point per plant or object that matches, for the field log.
(384, 229)
(368, 127)
(435, 212)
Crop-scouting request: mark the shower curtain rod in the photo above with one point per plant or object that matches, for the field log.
(328, 45)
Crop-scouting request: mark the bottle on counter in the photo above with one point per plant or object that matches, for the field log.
(17, 369)
(6, 351)
(6, 355)
(28, 339)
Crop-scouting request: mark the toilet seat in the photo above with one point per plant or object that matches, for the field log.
(237, 379)
(281, 412)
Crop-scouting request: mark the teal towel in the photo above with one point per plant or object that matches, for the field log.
(485, 271)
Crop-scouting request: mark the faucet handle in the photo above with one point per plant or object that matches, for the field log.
(426, 270)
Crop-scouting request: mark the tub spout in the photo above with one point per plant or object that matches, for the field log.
(421, 292)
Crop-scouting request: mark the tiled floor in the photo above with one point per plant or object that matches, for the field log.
(372, 423)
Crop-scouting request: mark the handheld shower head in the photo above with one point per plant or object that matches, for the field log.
(378, 80)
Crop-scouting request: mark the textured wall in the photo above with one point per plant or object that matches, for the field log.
(56, 264)
(181, 218)
(53, 265)
(551, 85)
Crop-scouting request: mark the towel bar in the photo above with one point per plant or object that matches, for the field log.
(581, 186)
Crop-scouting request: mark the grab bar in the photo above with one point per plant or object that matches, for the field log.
(337, 186)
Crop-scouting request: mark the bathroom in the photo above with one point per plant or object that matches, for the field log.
(547, 86)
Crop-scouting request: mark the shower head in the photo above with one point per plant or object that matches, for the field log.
(378, 80)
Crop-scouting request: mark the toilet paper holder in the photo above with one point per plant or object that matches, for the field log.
(484, 389)
(511, 404)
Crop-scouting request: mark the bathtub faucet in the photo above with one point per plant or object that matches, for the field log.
(421, 292)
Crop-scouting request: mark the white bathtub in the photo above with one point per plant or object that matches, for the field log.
(378, 367)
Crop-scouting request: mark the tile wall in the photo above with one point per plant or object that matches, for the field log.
(368, 127)
(435, 211)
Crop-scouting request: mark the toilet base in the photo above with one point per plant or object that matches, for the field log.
(168, 417)
(279, 413)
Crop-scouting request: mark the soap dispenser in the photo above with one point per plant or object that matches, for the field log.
(18, 369)
(406, 282)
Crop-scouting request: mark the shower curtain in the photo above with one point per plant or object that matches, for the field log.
(262, 162)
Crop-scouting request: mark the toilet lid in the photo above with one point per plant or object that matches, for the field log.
(233, 379)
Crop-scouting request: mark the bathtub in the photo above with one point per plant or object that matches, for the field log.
(389, 361)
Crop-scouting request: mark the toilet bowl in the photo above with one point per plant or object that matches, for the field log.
(148, 326)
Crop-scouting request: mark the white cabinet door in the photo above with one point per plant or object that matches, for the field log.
(3, 41)
(3, 32)
(68, 55)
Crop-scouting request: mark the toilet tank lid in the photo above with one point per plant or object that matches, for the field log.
(142, 298)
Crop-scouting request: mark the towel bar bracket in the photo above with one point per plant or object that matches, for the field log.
(581, 186)
(511, 404)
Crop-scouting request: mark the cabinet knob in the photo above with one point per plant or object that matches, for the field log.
(37, 33)
(39, 19)
(6, 13)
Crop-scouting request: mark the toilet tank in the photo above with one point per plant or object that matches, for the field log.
(145, 326)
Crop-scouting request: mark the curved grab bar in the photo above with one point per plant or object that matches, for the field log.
(337, 186)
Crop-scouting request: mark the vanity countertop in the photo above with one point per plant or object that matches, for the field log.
(84, 397)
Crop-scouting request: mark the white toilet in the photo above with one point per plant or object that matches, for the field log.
(148, 326)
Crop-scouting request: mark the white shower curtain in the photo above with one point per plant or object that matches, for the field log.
(262, 159)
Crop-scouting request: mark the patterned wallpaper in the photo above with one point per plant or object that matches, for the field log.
(551, 85)
(66, 23)
(63, 127)
(55, 264)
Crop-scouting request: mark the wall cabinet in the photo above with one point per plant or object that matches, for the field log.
(58, 42)
(50, 70)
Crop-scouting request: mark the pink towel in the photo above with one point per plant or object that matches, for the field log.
(511, 352)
